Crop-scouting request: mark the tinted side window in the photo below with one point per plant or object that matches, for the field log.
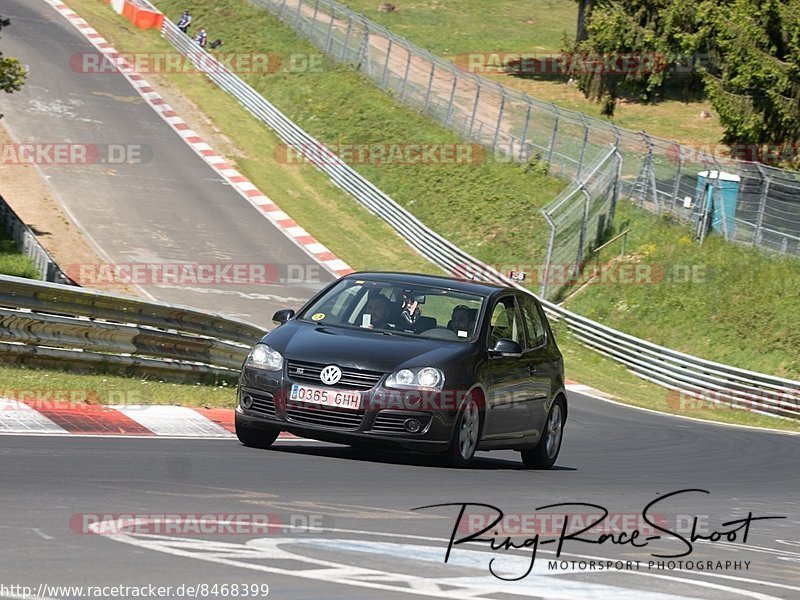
(506, 322)
(535, 331)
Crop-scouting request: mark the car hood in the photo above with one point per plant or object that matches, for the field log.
(369, 350)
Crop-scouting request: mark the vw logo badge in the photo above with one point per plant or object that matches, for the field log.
(330, 375)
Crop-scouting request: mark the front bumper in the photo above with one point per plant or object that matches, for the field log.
(380, 422)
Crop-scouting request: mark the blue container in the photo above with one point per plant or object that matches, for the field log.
(717, 194)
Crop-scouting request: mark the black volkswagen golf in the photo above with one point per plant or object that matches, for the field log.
(414, 362)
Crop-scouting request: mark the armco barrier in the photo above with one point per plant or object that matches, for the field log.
(671, 369)
(28, 244)
(47, 324)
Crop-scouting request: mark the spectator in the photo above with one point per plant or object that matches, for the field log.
(185, 21)
(202, 38)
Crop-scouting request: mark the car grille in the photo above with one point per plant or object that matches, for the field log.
(323, 416)
(392, 422)
(263, 403)
(352, 379)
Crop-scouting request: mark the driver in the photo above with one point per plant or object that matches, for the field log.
(459, 320)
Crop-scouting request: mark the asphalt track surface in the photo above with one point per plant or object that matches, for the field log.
(173, 208)
(370, 543)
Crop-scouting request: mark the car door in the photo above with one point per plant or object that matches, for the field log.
(509, 381)
(539, 365)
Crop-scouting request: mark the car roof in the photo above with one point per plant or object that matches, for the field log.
(482, 288)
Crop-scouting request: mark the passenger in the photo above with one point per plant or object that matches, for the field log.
(459, 320)
(378, 308)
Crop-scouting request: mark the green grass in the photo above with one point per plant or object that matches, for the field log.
(491, 210)
(19, 383)
(450, 28)
(13, 262)
(721, 301)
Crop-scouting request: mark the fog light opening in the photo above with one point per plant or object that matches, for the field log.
(247, 401)
(412, 425)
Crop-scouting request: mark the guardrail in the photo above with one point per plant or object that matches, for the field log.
(46, 324)
(671, 369)
(27, 243)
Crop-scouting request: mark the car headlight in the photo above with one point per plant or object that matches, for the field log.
(423, 378)
(264, 357)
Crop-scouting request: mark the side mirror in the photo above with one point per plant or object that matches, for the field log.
(282, 316)
(506, 347)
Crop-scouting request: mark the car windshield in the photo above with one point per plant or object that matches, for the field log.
(382, 306)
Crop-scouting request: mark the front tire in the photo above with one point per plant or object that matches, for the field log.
(256, 437)
(465, 435)
(545, 453)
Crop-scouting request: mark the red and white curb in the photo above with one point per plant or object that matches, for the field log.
(43, 418)
(240, 183)
(53, 418)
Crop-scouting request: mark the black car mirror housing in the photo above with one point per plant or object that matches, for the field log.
(506, 347)
(282, 316)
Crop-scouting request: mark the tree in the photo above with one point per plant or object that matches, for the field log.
(12, 73)
(630, 46)
(745, 53)
(584, 8)
(754, 76)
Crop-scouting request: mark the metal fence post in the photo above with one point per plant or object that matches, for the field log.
(297, 14)
(762, 206)
(386, 64)
(452, 99)
(652, 173)
(583, 145)
(280, 10)
(553, 138)
(405, 76)
(346, 39)
(549, 257)
(314, 19)
(430, 86)
(329, 38)
(678, 174)
(474, 110)
(523, 155)
(587, 199)
(499, 121)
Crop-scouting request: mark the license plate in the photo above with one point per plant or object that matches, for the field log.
(348, 399)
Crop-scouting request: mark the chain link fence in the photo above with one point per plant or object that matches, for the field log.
(580, 220)
(743, 201)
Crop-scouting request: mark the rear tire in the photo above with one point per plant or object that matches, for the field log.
(545, 453)
(256, 437)
(466, 434)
